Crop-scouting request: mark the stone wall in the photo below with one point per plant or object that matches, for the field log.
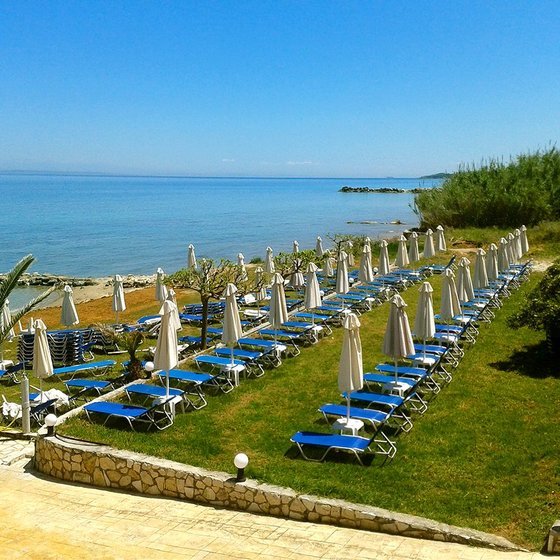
(103, 466)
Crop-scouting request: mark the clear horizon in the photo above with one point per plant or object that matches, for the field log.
(275, 89)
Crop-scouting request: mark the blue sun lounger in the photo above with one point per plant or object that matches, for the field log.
(276, 349)
(224, 365)
(149, 392)
(97, 368)
(158, 416)
(81, 388)
(196, 380)
(389, 401)
(418, 374)
(10, 373)
(326, 443)
(251, 358)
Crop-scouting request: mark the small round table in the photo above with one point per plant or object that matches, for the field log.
(345, 425)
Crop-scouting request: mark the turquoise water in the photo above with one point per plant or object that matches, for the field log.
(100, 226)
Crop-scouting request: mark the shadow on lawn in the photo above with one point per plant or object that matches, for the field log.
(534, 361)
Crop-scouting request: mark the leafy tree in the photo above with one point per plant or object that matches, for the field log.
(290, 263)
(209, 281)
(541, 310)
(7, 285)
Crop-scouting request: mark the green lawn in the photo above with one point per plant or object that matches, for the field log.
(485, 455)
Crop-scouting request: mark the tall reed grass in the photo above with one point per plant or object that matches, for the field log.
(524, 191)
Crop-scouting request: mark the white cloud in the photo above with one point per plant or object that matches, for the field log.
(227, 160)
(299, 163)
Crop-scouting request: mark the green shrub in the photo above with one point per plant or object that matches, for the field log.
(541, 310)
(524, 191)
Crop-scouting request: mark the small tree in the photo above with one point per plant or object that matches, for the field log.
(541, 310)
(290, 263)
(209, 281)
(7, 285)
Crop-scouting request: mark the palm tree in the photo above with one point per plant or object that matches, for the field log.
(7, 285)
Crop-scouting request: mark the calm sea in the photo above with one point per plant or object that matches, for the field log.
(100, 226)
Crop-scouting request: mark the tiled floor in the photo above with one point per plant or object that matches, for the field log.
(47, 519)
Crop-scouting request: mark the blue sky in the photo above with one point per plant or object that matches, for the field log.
(348, 88)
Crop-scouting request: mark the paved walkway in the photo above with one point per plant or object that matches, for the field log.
(47, 519)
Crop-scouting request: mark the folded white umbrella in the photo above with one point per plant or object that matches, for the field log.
(517, 244)
(503, 256)
(297, 280)
(480, 277)
(176, 319)
(367, 242)
(413, 251)
(5, 320)
(319, 247)
(365, 274)
(450, 304)
(330, 265)
(278, 313)
(512, 252)
(161, 289)
(397, 342)
(350, 254)
(312, 297)
(429, 250)
(384, 266)
(424, 322)
(260, 289)
(269, 262)
(166, 354)
(523, 240)
(243, 277)
(232, 330)
(119, 303)
(402, 255)
(350, 368)
(465, 289)
(191, 257)
(342, 282)
(295, 247)
(492, 263)
(440, 244)
(42, 360)
(69, 315)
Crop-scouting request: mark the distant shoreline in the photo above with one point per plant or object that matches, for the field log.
(382, 190)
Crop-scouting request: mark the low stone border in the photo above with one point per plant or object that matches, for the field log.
(101, 465)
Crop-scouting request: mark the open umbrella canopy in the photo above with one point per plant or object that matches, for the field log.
(440, 244)
(384, 267)
(69, 315)
(243, 277)
(429, 250)
(365, 274)
(492, 263)
(269, 262)
(523, 240)
(165, 355)
(5, 320)
(342, 282)
(161, 289)
(232, 330)
(480, 278)
(42, 360)
(118, 303)
(402, 255)
(503, 255)
(295, 247)
(424, 322)
(278, 313)
(450, 304)
(397, 342)
(350, 254)
(260, 288)
(465, 289)
(312, 298)
(413, 251)
(350, 369)
(319, 247)
(191, 257)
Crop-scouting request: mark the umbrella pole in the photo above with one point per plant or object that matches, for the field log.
(424, 348)
(116, 317)
(347, 408)
(396, 374)
(167, 385)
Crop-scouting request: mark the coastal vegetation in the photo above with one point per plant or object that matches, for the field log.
(525, 190)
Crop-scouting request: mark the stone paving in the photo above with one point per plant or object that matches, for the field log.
(45, 518)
